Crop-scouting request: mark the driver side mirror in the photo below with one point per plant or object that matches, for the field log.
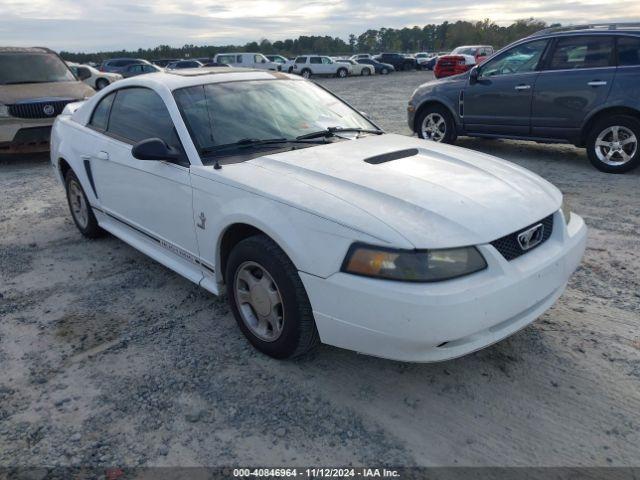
(155, 149)
(474, 74)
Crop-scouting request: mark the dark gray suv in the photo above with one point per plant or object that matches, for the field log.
(578, 85)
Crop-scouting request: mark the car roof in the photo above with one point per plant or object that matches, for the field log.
(25, 50)
(189, 77)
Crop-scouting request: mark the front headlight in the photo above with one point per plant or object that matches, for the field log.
(4, 111)
(566, 210)
(412, 265)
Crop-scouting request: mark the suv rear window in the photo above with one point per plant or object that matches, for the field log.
(17, 68)
(628, 51)
(581, 52)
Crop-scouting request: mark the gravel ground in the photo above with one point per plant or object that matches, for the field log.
(109, 358)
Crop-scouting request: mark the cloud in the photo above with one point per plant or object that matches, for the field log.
(78, 25)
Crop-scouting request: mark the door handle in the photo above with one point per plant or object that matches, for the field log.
(103, 156)
(597, 83)
(523, 87)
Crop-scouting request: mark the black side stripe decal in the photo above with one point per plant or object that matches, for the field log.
(163, 243)
(87, 167)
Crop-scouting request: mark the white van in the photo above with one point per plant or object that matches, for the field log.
(247, 60)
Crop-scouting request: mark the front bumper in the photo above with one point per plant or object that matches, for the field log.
(21, 135)
(440, 321)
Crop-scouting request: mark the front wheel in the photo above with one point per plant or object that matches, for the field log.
(306, 73)
(365, 72)
(612, 144)
(384, 71)
(342, 73)
(436, 123)
(268, 299)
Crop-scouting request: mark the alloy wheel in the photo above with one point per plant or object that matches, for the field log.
(616, 145)
(434, 127)
(259, 301)
(79, 208)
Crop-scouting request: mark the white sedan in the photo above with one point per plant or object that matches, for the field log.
(319, 226)
(92, 77)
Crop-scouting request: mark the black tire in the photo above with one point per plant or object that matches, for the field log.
(384, 71)
(102, 83)
(90, 228)
(597, 154)
(365, 72)
(299, 333)
(306, 73)
(450, 134)
(342, 73)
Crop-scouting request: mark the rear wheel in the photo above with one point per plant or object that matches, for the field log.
(342, 73)
(365, 72)
(306, 73)
(612, 144)
(80, 208)
(436, 123)
(384, 71)
(268, 299)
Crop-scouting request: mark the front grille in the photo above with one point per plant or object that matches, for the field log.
(38, 109)
(509, 247)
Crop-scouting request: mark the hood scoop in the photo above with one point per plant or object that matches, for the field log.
(389, 157)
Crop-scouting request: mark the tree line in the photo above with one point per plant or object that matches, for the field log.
(431, 37)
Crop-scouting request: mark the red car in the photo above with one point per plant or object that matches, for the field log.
(461, 59)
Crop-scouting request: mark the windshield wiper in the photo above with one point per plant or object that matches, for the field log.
(332, 131)
(250, 142)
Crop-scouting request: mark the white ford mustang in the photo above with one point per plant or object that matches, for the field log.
(320, 227)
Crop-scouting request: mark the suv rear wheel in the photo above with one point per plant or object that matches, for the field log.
(612, 144)
(306, 73)
(342, 73)
(436, 123)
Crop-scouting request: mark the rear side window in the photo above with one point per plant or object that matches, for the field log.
(138, 114)
(100, 117)
(301, 60)
(239, 59)
(628, 51)
(315, 60)
(581, 52)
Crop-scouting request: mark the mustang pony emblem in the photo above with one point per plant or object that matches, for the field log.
(203, 220)
(531, 237)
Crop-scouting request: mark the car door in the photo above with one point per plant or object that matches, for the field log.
(315, 64)
(499, 102)
(328, 66)
(151, 197)
(576, 78)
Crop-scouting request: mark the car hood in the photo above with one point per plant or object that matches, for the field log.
(434, 195)
(16, 93)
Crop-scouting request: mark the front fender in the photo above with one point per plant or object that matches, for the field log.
(314, 244)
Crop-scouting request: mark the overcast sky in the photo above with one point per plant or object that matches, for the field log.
(93, 25)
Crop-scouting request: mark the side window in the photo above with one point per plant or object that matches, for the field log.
(315, 60)
(519, 59)
(148, 68)
(301, 60)
(326, 60)
(100, 117)
(138, 114)
(628, 51)
(239, 59)
(581, 52)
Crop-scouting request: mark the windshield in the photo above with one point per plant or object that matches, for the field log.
(464, 51)
(225, 113)
(18, 68)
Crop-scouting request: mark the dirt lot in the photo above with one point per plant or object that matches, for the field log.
(109, 358)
